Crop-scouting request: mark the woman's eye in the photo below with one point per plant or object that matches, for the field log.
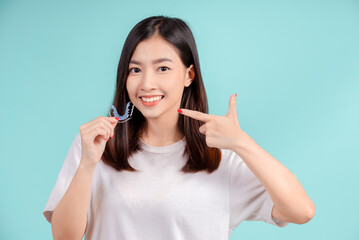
(164, 68)
(136, 70)
(130, 70)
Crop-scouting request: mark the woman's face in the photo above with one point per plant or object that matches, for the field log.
(157, 78)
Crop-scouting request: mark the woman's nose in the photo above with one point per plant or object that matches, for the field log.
(148, 81)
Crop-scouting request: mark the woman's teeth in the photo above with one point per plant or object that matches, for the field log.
(151, 99)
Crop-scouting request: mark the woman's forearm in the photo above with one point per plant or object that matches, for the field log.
(288, 195)
(69, 219)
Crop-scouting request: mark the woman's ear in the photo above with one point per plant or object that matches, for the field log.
(190, 74)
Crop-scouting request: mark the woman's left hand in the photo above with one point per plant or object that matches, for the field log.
(221, 131)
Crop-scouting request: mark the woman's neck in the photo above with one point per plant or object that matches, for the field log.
(161, 133)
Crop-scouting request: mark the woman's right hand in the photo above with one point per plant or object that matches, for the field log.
(94, 135)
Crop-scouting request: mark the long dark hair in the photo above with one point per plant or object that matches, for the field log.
(126, 135)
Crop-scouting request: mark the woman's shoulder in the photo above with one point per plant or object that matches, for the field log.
(77, 137)
(230, 159)
(229, 155)
(76, 142)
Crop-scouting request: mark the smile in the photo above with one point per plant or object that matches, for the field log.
(151, 101)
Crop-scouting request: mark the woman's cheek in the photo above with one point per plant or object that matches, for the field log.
(130, 89)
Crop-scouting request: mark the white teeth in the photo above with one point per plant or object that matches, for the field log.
(151, 99)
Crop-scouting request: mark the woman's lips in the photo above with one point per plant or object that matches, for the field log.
(149, 104)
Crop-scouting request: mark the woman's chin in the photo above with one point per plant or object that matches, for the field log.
(158, 115)
(149, 115)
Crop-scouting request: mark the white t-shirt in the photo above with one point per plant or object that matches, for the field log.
(161, 202)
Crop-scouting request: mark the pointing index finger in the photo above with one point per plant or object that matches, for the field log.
(204, 117)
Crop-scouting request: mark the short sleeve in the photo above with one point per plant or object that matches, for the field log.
(248, 199)
(64, 177)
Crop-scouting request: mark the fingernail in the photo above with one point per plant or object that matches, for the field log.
(180, 110)
(117, 118)
(235, 94)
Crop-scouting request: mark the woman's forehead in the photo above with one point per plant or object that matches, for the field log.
(155, 50)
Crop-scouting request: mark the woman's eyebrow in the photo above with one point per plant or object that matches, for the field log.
(154, 61)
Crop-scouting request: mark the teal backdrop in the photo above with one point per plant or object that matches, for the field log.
(293, 64)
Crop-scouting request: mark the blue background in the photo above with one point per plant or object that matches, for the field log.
(293, 64)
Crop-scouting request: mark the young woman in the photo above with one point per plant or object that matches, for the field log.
(172, 171)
